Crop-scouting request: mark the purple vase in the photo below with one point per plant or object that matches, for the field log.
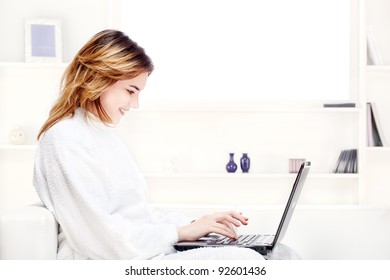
(245, 163)
(231, 166)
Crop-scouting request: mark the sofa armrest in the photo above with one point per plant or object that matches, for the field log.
(28, 233)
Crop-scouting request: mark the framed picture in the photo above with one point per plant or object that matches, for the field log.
(43, 40)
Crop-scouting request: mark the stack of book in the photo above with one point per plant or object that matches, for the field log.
(347, 162)
(374, 132)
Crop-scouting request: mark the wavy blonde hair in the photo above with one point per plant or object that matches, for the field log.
(106, 58)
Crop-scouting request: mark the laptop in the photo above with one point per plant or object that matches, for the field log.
(262, 243)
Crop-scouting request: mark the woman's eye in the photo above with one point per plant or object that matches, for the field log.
(130, 91)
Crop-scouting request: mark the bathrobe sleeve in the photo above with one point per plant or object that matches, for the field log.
(72, 183)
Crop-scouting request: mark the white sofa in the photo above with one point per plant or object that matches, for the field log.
(28, 233)
(31, 231)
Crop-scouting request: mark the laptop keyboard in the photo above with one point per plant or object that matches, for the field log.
(245, 240)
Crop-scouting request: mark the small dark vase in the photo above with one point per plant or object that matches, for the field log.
(231, 166)
(245, 163)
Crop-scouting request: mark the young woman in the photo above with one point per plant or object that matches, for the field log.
(85, 176)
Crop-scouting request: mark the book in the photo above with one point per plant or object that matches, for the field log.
(369, 136)
(352, 164)
(355, 165)
(374, 132)
(339, 105)
(378, 129)
(343, 161)
(347, 162)
(373, 55)
(338, 165)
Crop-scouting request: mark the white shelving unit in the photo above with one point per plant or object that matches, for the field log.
(18, 147)
(376, 82)
(42, 81)
(279, 132)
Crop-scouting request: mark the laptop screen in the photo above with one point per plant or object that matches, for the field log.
(292, 201)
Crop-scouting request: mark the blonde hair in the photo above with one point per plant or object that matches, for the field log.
(106, 58)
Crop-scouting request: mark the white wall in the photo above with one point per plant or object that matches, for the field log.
(238, 51)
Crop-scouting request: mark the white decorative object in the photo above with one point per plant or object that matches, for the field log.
(18, 136)
(170, 164)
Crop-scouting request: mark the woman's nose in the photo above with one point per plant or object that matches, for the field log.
(134, 102)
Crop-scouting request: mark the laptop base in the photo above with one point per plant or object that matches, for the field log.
(254, 242)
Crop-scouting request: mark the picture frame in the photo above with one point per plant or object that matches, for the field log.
(43, 40)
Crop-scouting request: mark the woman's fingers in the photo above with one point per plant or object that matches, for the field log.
(229, 220)
(223, 223)
(232, 217)
(239, 217)
(231, 228)
(224, 230)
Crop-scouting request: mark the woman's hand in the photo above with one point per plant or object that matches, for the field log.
(221, 223)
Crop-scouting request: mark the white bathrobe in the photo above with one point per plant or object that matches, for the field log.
(86, 177)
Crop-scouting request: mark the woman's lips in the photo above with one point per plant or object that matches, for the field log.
(123, 111)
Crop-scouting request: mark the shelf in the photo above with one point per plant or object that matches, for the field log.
(32, 65)
(378, 68)
(193, 108)
(278, 207)
(378, 149)
(18, 147)
(248, 175)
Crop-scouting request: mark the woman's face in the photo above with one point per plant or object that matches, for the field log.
(121, 96)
